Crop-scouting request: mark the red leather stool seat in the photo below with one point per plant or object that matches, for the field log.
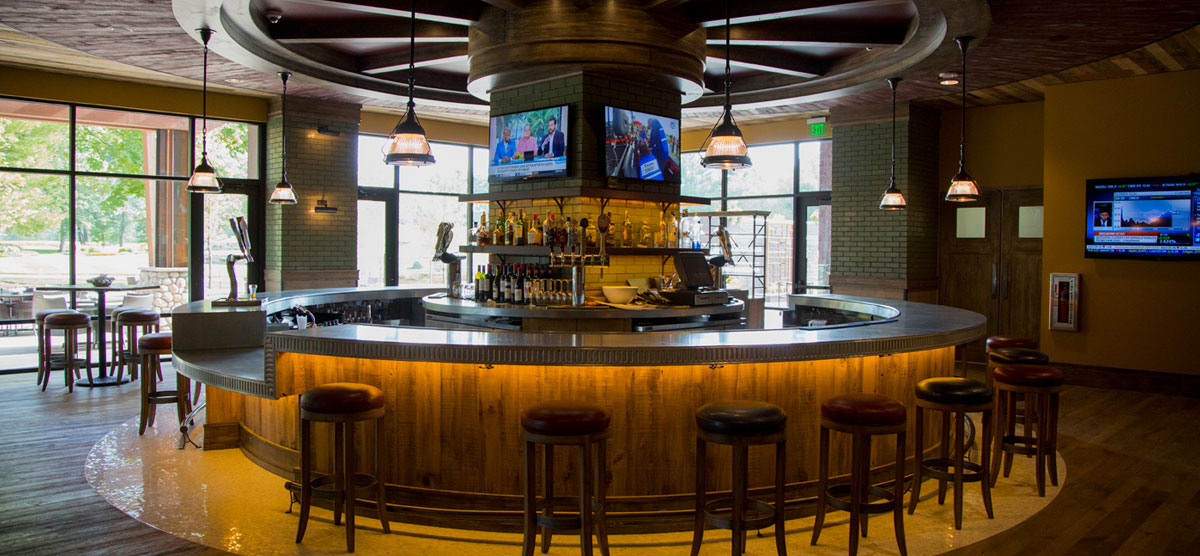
(342, 397)
(1028, 375)
(997, 342)
(148, 316)
(1023, 356)
(741, 418)
(951, 390)
(69, 318)
(41, 316)
(862, 408)
(564, 418)
(157, 341)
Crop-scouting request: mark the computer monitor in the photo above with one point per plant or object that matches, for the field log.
(692, 268)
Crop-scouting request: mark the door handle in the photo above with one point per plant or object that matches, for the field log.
(994, 278)
(1005, 281)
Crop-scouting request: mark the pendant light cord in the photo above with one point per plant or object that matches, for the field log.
(204, 34)
(728, 104)
(962, 143)
(412, 49)
(283, 125)
(892, 83)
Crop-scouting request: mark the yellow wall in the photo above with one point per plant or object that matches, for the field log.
(1004, 145)
(1134, 314)
(760, 134)
(62, 87)
(378, 123)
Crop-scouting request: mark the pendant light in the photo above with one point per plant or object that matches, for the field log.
(963, 188)
(892, 198)
(726, 148)
(283, 194)
(407, 145)
(204, 178)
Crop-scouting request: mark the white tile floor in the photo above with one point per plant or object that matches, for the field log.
(222, 500)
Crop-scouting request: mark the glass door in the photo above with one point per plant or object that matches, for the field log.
(812, 240)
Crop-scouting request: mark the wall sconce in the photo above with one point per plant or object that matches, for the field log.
(324, 208)
(326, 130)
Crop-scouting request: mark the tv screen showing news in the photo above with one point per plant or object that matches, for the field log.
(529, 144)
(1155, 218)
(641, 146)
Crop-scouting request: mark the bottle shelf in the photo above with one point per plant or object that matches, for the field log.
(543, 251)
(586, 192)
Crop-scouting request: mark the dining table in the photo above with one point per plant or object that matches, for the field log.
(103, 379)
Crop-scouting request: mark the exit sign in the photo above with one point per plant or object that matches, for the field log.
(816, 130)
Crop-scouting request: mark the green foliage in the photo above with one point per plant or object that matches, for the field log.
(228, 148)
(33, 205)
(699, 181)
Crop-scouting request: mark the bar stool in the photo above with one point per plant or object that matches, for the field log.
(556, 423)
(862, 415)
(957, 396)
(47, 360)
(1040, 385)
(343, 404)
(1009, 350)
(70, 323)
(740, 424)
(117, 346)
(129, 323)
(151, 347)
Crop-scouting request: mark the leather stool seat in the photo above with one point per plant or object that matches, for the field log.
(156, 341)
(741, 418)
(998, 342)
(860, 408)
(954, 391)
(69, 318)
(560, 417)
(138, 315)
(1028, 375)
(342, 397)
(41, 316)
(1024, 356)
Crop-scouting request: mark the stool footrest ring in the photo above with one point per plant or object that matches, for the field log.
(939, 468)
(323, 486)
(764, 513)
(838, 496)
(1024, 445)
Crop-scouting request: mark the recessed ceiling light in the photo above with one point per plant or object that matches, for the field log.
(235, 80)
(948, 78)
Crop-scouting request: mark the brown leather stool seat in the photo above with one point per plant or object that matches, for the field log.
(156, 342)
(862, 408)
(741, 418)
(342, 397)
(565, 423)
(343, 404)
(1024, 356)
(740, 424)
(67, 319)
(998, 342)
(138, 316)
(47, 360)
(1028, 375)
(41, 316)
(564, 418)
(954, 391)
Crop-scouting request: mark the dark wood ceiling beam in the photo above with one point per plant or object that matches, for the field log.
(768, 60)
(508, 5)
(712, 14)
(433, 80)
(807, 34)
(663, 4)
(322, 32)
(431, 55)
(462, 12)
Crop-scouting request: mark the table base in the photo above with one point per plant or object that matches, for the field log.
(99, 381)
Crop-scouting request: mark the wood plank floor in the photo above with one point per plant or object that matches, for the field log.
(1132, 466)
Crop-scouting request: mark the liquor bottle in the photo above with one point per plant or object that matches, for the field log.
(548, 232)
(611, 234)
(572, 235)
(498, 233)
(646, 240)
(672, 232)
(484, 236)
(627, 232)
(661, 239)
(535, 232)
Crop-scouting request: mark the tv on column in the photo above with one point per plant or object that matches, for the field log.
(531, 144)
(641, 146)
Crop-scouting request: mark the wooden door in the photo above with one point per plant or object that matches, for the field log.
(969, 266)
(1020, 281)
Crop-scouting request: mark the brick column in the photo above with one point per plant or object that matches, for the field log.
(306, 249)
(890, 254)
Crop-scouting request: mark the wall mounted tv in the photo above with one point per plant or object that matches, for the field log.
(641, 146)
(1143, 218)
(529, 144)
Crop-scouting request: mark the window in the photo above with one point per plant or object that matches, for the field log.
(233, 148)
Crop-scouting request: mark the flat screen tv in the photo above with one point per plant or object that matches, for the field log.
(1143, 218)
(529, 144)
(641, 146)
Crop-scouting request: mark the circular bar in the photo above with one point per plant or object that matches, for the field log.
(454, 399)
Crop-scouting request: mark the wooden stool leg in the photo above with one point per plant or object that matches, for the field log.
(739, 497)
(87, 354)
(698, 532)
(69, 349)
(49, 352)
(1052, 438)
(380, 494)
(1038, 401)
(42, 357)
(998, 433)
(780, 478)
(822, 484)
(959, 437)
(339, 460)
(944, 453)
(898, 492)
(348, 482)
(601, 455)
(856, 490)
(153, 390)
(1011, 427)
(530, 476)
(586, 472)
(547, 492)
(181, 392)
(985, 471)
(865, 473)
(305, 476)
(145, 389)
(157, 370)
(918, 451)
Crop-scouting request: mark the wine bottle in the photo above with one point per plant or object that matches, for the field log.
(627, 232)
